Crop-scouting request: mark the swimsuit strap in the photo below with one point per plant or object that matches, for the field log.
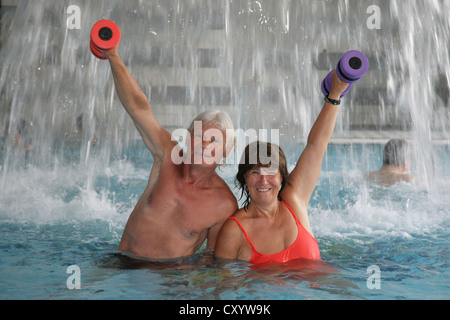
(292, 211)
(243, 230)
(299, 224)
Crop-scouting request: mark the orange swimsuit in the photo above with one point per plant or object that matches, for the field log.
(304, 247)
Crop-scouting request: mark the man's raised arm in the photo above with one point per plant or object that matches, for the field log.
(156, 138)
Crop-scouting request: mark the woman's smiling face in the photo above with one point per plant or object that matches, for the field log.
(263, 184)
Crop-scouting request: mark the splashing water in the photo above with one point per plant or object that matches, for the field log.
(261, 61)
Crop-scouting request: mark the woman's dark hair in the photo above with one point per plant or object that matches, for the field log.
(260, 154)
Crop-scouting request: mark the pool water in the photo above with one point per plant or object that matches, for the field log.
(69, 213)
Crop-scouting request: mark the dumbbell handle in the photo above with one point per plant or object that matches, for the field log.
(326, 85)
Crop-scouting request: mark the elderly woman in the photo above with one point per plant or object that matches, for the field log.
(273, 225)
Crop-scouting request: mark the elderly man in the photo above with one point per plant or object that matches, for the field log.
(185, 202)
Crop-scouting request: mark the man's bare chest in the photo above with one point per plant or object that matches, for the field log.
(187, 210)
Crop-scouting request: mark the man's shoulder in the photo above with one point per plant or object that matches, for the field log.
(387, 178)
(224, 188)
(219, 184)
(222, 196)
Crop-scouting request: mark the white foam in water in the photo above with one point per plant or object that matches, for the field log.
(39, 196)
(403, 210)
(67, 194)
(124, 169)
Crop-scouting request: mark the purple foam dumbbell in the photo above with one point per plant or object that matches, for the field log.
(326, 85)
(350, 68)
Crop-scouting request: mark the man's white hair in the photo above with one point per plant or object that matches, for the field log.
(220, 119)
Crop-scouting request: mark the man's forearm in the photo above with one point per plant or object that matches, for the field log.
(156, 138)
(128, 90)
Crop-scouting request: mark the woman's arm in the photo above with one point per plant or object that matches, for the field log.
(303, 178)
(228, 241)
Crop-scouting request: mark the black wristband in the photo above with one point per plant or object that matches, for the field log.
(334, 102)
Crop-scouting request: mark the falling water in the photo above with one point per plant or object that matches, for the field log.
(66, 201)
(262, 61)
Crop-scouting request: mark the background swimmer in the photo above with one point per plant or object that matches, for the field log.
(396, 164)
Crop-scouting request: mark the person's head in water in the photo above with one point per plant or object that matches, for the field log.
(396, 164)
(261, 155)
(396, 153)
